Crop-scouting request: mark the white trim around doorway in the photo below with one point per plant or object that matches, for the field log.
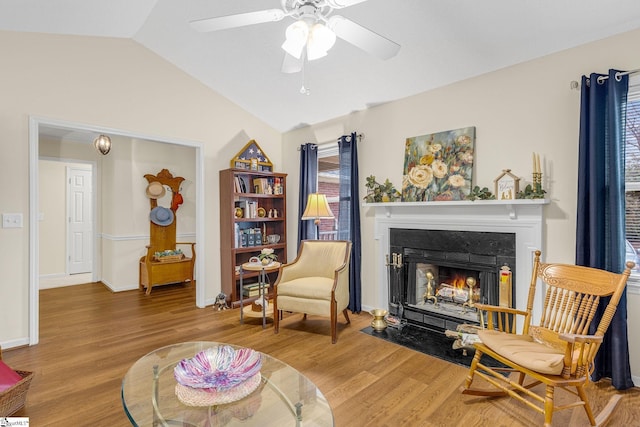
(34, 126)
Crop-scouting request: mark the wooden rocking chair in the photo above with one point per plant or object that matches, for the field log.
(559, 352)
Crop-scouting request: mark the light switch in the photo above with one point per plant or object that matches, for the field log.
(11, 220)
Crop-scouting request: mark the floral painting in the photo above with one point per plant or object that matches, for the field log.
(438, 166)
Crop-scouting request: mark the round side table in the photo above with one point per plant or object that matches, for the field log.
(262, 279)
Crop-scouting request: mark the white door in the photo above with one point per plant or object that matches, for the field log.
(79, 216)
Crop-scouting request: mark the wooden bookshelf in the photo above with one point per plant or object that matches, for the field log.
(261, 197)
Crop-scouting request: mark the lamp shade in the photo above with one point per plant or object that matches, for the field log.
(317, 208)
(320, 40)
(102, 144)
(296, 38)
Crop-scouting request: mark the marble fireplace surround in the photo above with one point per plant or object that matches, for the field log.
(524, 218)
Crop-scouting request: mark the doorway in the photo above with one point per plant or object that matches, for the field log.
(66, 217)
(38, 128)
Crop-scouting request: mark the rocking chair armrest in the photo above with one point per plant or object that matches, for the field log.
(579, 338)
(498, 309)
(579, 353)
(501, 318)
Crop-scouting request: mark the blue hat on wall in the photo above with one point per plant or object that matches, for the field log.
(161, 216)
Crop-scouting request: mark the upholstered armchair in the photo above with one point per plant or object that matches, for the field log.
(316, 282)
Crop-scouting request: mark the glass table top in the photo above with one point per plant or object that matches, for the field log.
(284, 396)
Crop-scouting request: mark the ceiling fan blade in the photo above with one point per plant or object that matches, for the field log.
(362, 37)
(339, 4)
(239, 20)
(291, 64)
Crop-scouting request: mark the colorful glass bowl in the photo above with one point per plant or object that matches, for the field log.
(219, 368)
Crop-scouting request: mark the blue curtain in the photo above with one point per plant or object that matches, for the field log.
(308, 185)
(600, 235)
(349, 214)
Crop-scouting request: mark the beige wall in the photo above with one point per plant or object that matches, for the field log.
(517, 110)
(53, 212)
(116, 84)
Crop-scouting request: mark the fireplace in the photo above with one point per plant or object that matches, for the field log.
(437, 276)
(520, 222)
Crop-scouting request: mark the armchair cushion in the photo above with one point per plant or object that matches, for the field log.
(308, 287)
(524, 351)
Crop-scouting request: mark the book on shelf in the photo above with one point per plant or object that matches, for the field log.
(240, 184)
(260, 185)
(249, 208)
(253, 292)
(253, 289)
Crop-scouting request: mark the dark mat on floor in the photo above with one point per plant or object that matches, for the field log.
(428, 342)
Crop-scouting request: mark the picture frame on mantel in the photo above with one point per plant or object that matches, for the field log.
(507, 185)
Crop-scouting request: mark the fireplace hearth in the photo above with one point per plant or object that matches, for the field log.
(437, 276)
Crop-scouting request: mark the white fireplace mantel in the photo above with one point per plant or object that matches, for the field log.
(523, 217)
(510, 207)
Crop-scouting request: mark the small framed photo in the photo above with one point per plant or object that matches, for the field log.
(254, 164)
(506, 185)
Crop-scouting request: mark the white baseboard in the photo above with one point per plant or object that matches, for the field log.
(120, 288)
(19, 342)
(49, 281)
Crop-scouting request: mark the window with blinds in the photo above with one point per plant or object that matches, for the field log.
(329, 185)
(632, 170)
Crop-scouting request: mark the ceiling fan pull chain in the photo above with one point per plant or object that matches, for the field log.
(304, 90)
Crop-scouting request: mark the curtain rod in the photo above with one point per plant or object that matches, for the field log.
(576, 85)
(359, 136)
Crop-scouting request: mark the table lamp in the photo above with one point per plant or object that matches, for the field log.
(317, 209)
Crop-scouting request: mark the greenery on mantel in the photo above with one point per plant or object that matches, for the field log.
(386, 192)
(478, 193)
(377, 192)
(530, 193)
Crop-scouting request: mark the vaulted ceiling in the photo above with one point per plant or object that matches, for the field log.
(442, 41)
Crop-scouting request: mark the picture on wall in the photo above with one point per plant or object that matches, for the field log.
(438, 166)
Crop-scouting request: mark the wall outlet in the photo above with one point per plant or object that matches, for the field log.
(11, 220)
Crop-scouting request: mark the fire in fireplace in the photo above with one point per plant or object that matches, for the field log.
(437, 276)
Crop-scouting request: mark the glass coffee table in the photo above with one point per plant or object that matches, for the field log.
(284, 397)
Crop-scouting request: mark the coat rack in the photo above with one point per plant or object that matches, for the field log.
(160, 271)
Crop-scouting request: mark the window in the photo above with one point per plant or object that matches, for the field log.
(329, 185)
(632, 175)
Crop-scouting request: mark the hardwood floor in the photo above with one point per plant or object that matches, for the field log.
(89, 337)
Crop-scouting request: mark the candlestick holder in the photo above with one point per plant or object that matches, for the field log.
(537, 182)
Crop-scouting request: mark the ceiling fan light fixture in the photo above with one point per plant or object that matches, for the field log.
(319, 41)
(102, 144)
(296, 38)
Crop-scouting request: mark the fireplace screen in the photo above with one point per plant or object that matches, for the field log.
(446, 284)
(447, 290)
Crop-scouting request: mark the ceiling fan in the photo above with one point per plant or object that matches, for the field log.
(315, 28)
